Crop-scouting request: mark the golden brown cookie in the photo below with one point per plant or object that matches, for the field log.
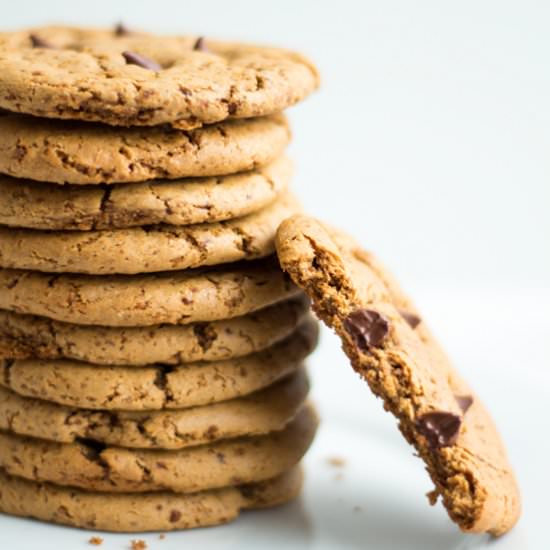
(259, 413)
(82, 153)
(36, 205)
(135, 79)
(389, 345)
(27, 336)
(148, 249)
(119, 512)
(95, 467)
(177, 298)
(157, 387)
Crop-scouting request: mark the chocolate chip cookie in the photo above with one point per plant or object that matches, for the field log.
(389, 345)
(135, 79)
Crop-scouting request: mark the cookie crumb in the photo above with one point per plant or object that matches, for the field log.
(162, 536)
(138, 545)
(336, 461)
(432, 497)
(338, 477)
(95, 541)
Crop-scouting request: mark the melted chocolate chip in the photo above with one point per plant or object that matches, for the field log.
(464, 402)
(122, 30)
(412, 318)
(440, 428)
(133, 58)
(38, 42)
(200, 45)
(368, 328)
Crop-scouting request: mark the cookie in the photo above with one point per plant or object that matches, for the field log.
(135, 79)
(82, 153)
(158, 387)
(145, 249)
(259, 413)
(389, 345)
(37, 205)
(119, 512)
(181, 297)
(27, 336)
(96, 467)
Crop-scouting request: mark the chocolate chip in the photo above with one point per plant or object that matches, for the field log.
(38, 42)
(412, 318)
(439, 428)
(368, 328)
(175, 515)
(232, 108)
(133, 58)
(464, 402)
(122, 30)
(200, 45)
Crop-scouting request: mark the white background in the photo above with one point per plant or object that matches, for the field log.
(430, 142)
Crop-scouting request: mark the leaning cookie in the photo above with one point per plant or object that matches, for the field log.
(95, 467)
(80, 153)
(145, 249)
(181, 297)
(28, 336)
(36, 205)
(157, 387)
(259, 413)
(119, 512)
(134, 79)
(390, 347)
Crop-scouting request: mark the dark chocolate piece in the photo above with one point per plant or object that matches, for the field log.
(133, 58)
(412, 318)
(122, 30)
(464, 402)
(200, 45)
(440, 428)
(368, 328)
(38, 42)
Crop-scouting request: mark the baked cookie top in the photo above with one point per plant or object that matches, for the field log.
(127, 78)
(389, 345)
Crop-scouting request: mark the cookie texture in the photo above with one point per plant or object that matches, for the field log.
(145, 249)
(259, 413)
(119, 512)
(142, 300)
(96, 75)
(90, 466)
(82, 153)
(389, 345)
(157, 387)
(28, 336)
(190, 201)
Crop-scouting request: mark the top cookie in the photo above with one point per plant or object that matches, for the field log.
(389, 345)
(127, 78)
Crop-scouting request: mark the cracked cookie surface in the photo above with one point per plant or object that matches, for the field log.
(182, 297)
(27, 336)
(156, 387)
(389, 345)
(163, 511)
(96, 75)
(146, 249)
(36, 205)
(92, 466)
(259, 413)
(66, 152)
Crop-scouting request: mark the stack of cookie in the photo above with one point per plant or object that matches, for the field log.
(151, 348)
